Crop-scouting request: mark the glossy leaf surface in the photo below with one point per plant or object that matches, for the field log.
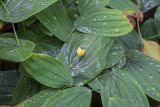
(57, 21)
(72, 97)
(19, 10)
(118, 84)
(145, 71)
(104, 22)
(86, 67)
(11, 51)
(48, 71)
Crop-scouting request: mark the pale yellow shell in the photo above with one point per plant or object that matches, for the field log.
(80, 51)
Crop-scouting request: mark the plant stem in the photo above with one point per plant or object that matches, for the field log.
(152, 37)
(139, 30)
(15, 33)
(139, 3)
(5, 7)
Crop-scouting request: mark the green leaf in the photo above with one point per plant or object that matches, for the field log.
(148, 28)
(131, 41)
(145, 71)
(8, 81)
(48, 71)
(157, 19)
(115, 55)
(39, 99)
(72, 97)
(126, 6)
(10, 51)
(85, 68)
(146, 5)
(43, 44)
(25, 88)
(117, 102)
(19, 10)
(117, 84)
(89, 6)
(57, 21)
(104, 22)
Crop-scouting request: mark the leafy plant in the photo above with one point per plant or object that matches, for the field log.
(65, 51)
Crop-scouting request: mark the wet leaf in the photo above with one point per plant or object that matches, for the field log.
(149, 4)
(118, 84)
(8, 81)
(126, 6)
(89, 6)
(104, 22)
(57, 21)
(117, 102)
(148, 29)
(39, 99)
(19, 10)
(71, 97)
(131, 41)
(115, 55)
(55, 75)
(157, 19)
(25, 88)
(145, 71)
(43, 44)
(86, 67)
(10, 51)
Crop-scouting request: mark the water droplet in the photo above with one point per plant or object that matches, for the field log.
(104, 23)
(79, 84)
(114, 53)
(151, 77)
(99, 19)
(158, 65)
(141, 69)
(151, 63)
(55, 30)
(94, 19)
(73, 73)
(85, 30)
(147, 89)
(153, 89)
(117, 30)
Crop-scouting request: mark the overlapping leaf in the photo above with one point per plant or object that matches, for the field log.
(126, 5)
(131, 41)
(118, 84)
(25, 88)
(43, 44)
(89, 6)
(85, 68)
(146, 71)
(19, 10)
(149, 29)
(157, 19)
(11, 51)
(72, 97)
(39, 99)
(57, 21)
(48, 71)
(115, 55)
(117, 102)
(149, 4)
(8, 80)
(104, 22)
